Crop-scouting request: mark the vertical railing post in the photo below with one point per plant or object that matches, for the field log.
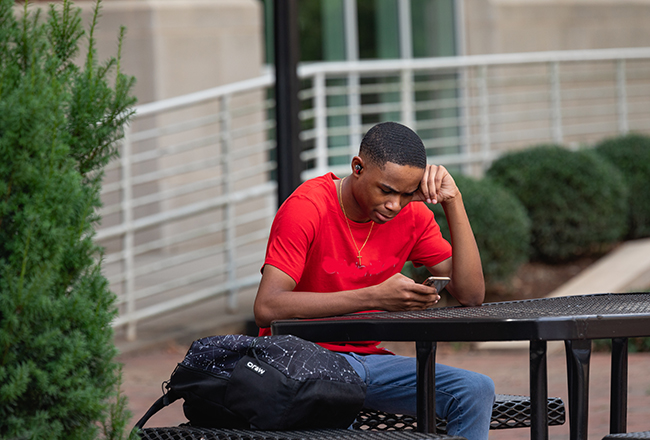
(405, 29)
(463, 90)
(621, 98)
(320, 122)
(463, 109)
(556, 103)
(354, 99)
(354, 102)
(226, 166)
(485, 115)
(406, 52)
(128, 241)
(408, 97)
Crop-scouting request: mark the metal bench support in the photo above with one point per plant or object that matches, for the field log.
(509, 411)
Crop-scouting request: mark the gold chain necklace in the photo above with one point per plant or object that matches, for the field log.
(350, 229)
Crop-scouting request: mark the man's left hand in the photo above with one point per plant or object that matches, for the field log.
(437, 185)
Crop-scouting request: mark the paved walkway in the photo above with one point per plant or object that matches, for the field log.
(144, 373)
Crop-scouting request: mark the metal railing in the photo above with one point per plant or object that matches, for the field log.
(188, 206)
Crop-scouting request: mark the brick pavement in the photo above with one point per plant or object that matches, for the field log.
(144, 373)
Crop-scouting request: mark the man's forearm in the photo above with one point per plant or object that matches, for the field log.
(276, 298)
(468, 285)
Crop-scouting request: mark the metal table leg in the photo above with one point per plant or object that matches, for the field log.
(426, 380)
(618, 400)
(578, 354)
(538, 391)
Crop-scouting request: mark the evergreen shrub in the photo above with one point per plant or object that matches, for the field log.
(576, 201)
(500, 224)
(631, 155)
(58, 127)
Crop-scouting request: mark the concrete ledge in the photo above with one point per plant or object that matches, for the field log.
(626, 269)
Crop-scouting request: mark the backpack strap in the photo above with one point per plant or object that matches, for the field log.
(159, 404)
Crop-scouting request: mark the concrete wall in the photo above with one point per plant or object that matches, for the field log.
(175, 47)
(510, 26)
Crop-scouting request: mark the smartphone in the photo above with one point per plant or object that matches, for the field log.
(438, 282)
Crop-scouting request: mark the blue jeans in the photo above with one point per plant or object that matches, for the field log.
(463, 398)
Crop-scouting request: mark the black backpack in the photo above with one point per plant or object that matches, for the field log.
(270, 382)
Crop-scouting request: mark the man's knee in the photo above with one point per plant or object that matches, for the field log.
(485, 387)
(480, 387)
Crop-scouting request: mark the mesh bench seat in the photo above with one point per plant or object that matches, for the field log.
(628, 435)
(194, 433)
(509, 411)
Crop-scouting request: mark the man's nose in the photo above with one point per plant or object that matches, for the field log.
(394, 203)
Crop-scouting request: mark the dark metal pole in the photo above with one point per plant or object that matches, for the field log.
(578, 355)
(425, 353)
(538, 391)
(618, 394)
(287, 54)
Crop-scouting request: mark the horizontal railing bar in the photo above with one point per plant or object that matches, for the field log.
(193, 234)
(523, 116)
(310, 154)
(167, 241)
(339, 67)
(537, 135)
(259, 127)
(195, 123)
(260, 147)
(108, 188)
(589, 128)
(439, 104)
(586, 111)
(195, 277)
(166, 173)
(185, 281)
(186, 300)
(174, 128)
(242, 111)
(265, 80)
(238, 153)
(161, 152)
(173, 261)
(161, 196)
(186, 211)
(344, 90)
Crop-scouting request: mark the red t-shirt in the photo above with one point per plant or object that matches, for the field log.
(310, 242)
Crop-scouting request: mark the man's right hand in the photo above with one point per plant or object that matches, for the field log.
(401, 293)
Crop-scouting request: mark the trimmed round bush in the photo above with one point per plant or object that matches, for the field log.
(631, 155)
(500, 224)
(576, 201)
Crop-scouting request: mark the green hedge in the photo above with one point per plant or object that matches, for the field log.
(59, 378)
(631, 155)
(576, 201)
(500, 225)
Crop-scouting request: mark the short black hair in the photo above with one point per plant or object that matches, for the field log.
(393, 142)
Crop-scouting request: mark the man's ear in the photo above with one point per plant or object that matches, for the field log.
(357, 165)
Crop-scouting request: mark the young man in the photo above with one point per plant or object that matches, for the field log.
(338, 246)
